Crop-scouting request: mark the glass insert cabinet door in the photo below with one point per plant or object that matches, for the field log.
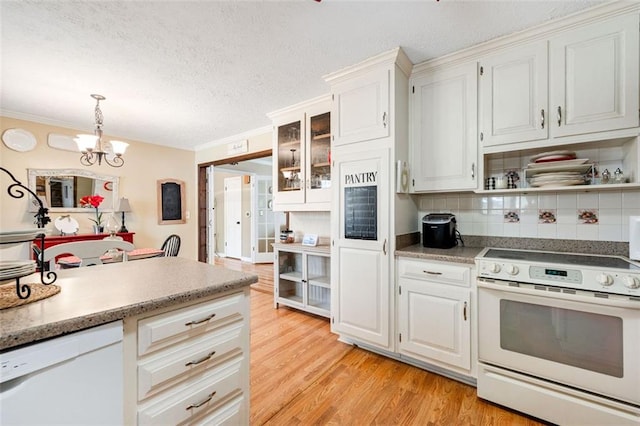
(290, 154)
(320, 151)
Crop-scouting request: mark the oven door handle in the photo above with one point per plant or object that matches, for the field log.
(506, 288)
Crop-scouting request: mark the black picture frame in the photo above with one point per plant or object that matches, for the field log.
(171, 201)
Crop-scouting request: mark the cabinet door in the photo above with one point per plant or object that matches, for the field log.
(435, 322)
(360, 255)
(513, 96)
(318, 282)
(289, 279)
(594, 77)
(289, 175)
(318, 158)
(361, 108)
(444, 129)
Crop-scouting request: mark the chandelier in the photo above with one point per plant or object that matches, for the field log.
(93, 148)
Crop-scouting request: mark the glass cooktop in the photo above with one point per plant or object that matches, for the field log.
(561, 259)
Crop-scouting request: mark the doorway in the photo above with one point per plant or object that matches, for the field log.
(260, 225)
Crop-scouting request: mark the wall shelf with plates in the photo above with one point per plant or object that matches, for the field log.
(539, 171)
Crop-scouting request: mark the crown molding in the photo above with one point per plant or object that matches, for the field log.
(234, 138)
(395, 56)
(545, 30)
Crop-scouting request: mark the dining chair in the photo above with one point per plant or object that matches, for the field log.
(89, 252)
(37, 254)
(171, 245)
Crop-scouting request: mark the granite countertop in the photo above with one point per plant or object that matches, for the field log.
(456, 254)
(100, 294)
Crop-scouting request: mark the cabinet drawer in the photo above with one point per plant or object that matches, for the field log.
(188, 358)
(194, 397)
(231, 413)
(164, 329)
(436, 272)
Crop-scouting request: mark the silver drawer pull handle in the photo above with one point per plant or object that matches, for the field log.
(542, 118)
(200, 321)
(432, 273)
(201, 360)
(201, 403)
(559, 116)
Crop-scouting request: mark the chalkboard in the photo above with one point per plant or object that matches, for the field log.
(361, 212)
(171, 201)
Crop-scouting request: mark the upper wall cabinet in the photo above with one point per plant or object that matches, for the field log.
(362, 107)
(443, 128)
(594, 77)
(302, 152)
(588, 86)
(369, 100)
(513, 95)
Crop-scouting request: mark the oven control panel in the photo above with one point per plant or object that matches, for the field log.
(586, 278)
(556, 275)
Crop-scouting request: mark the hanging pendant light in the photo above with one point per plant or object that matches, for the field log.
(92, 146)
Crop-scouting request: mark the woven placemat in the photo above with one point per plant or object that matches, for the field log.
(9, 298)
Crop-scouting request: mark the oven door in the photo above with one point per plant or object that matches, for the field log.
(585, 342)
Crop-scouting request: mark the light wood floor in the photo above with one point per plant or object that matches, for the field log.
(302, 375)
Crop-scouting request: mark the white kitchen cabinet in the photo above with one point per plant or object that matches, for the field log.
(361, 307)
(588, 86)
(370, 110)
(443, 129)
(514, 95)
(302, 153)
(189, 364)
(594, 77)
(361, 106)
(434, 313)
(302, 278)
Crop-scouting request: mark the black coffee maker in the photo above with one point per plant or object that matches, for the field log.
(439, 230)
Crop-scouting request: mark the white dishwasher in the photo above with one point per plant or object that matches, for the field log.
(72, 379)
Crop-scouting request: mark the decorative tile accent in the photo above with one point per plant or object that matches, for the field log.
(547, 216)
(512, 216)
(588, 217)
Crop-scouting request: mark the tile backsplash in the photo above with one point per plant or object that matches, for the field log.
(596, 216)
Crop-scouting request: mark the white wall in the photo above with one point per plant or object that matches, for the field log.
(144, 165)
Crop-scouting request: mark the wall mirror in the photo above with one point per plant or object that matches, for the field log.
(62, 189)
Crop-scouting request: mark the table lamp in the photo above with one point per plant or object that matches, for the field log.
(123, 206)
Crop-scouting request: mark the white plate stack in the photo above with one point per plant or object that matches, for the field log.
(556, 169)
(10, 269)
(15, 245)
(20, 235)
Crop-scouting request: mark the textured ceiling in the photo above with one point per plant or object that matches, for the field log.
(186, 73)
